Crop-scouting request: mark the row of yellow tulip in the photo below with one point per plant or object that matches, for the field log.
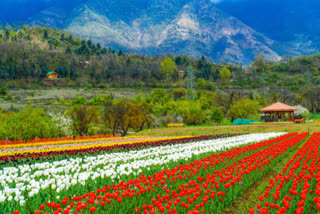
(81, 146)
(66, 142)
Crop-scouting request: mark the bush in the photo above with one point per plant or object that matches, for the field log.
(3, 90)
(8, 97)
(211, 86)
(205, 85)
(100, 99)
(35, 125)
(178, 93)
(79, 100)
(194, 116)
(102, 86)
(89, 86)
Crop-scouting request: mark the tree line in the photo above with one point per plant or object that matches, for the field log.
(104, 115)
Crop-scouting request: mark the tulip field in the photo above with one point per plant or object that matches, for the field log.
(142, 174)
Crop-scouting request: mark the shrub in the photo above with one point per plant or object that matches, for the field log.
(194, 116)
(101, 85)
(8, 97)
(178, 93)
(3, 90)
(79, 100)
(89, 86)
(205, 85)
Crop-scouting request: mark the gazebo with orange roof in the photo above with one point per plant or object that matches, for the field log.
(278, 112)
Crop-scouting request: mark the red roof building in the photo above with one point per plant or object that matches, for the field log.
(278, 112)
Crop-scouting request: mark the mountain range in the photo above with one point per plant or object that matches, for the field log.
(226, 31)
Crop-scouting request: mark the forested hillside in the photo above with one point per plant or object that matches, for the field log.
(27, 54)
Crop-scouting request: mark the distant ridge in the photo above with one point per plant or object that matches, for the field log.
(150, 27)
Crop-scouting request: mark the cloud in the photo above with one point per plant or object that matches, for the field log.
(216, 1)
(232, 1)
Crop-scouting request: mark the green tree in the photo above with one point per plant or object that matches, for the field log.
(116, 117)
(62, 37)
(159, 95)
(56, 43)
(217, 115)
(167, 68)
(7, 33)
(136, 119)
(259, 63)
(224, 75)
(68, 50)
(89, 43)
(205, 85)
(201, 83)
(110, 117)
(147, 110)
(211, 86)
(178, 60)
(70, 38)
(83, 117)
(123, 111)
(3, 90)
(179, 92)
(45, 34)
(27, 124)
(193, 115)
(244, 108)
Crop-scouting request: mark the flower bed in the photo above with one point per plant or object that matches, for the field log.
(296, 189)
(50, 140)
(69, 141)
(27, 157)
(76, 146)
(26, 186)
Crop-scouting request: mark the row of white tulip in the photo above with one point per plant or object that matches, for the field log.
(22, 181)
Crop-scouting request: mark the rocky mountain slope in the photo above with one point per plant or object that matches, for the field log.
(153, 26)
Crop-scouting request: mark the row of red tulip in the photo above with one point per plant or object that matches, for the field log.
(206, 185)
(292, 190)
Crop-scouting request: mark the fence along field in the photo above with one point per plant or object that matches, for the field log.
(162, 175)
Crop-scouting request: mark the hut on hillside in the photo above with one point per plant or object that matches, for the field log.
(52, 75)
